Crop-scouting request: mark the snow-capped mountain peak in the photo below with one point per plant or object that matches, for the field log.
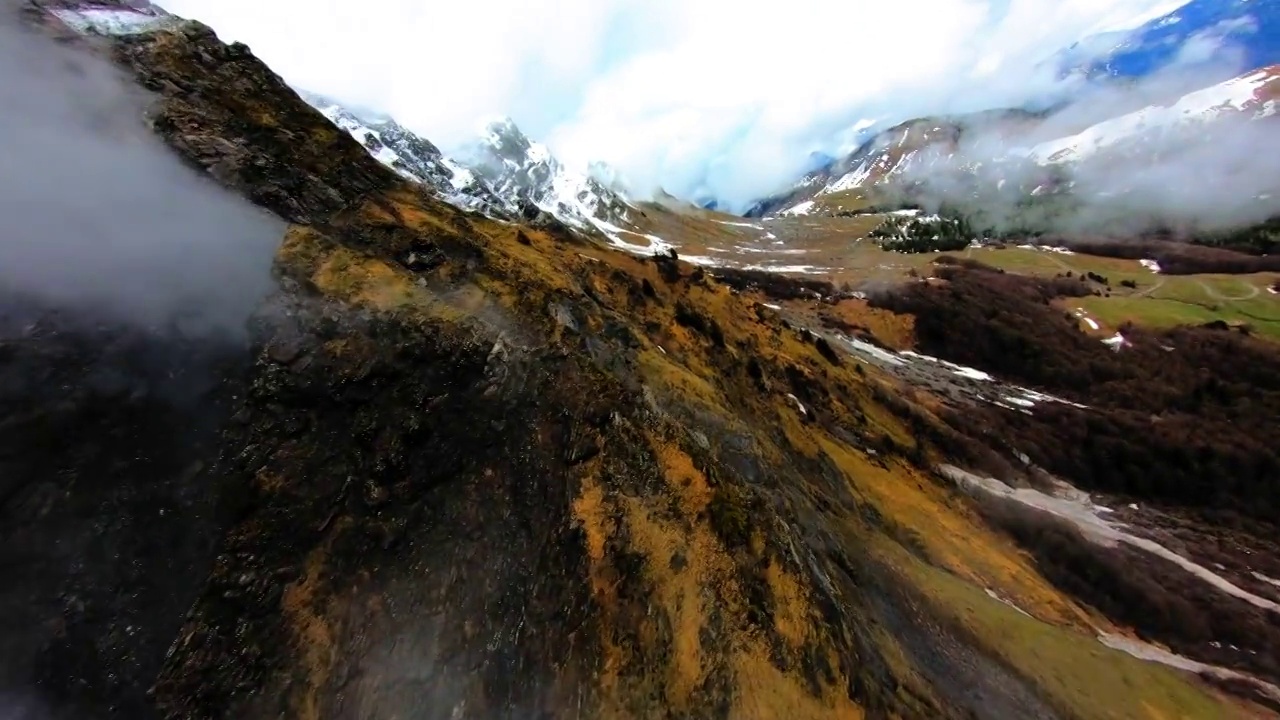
(502, 173)
(527, 172)
(412, 156)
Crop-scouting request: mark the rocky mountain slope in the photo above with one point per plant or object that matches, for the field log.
(416, 158)
(502, 174)
(891, 155)
(464, 468)
(1011, 158)
(527, 173)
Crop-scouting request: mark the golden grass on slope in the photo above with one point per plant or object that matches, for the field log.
(1080, 675)
(932, 518)
(686, 368)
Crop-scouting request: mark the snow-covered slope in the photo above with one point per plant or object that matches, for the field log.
(415, 158)
(501, 174)
(891, 155)
(1014, 155)
(1252, 96)
(526, 173)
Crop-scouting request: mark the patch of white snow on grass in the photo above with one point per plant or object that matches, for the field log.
(1115, 342)
(1074, 506)
(796, 269)
(973, 374)
(1093, 324)
(1152, 653)
(799, 405)
(739, 224)
(1151, 265)
(800, 209)
(1023, 402)
(996, 596)
(614, 233)
(867, 348)
(1055, 249)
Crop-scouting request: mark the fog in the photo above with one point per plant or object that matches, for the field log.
(96, 213)
(707, 99)
(1178, 176)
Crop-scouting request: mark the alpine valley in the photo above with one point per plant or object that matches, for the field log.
(302, 417)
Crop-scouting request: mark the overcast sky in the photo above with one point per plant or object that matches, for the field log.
(702, 97)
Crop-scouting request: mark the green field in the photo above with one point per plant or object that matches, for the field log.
(839, 249)
(1158, 300)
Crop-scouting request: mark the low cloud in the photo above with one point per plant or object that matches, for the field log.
(701, 97)
(1180, 176)
(96, 212)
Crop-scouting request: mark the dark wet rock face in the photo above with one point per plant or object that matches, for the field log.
(246, 128)
(108, 522)
(403, 494)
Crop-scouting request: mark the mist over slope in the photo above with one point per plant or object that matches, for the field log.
(1188, 163)
(99, 213)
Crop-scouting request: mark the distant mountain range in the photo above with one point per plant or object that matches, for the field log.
(1201, 43)
(1203, 145)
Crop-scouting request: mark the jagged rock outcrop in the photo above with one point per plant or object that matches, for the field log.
(417, 158)
(527, 174)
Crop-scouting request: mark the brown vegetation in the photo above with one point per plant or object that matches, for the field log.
(1184, 416)
(1180, 258)
(1160, 600)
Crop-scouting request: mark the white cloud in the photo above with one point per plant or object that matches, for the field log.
(725, 98)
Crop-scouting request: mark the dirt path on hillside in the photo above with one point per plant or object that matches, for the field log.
(1145, 293)
(1253, 293)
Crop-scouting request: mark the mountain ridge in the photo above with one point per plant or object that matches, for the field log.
(501, 173)
(466, 468)
(1014, 157)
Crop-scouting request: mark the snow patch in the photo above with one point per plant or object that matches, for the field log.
(1152, 653)
(973, 374)
(1074, 506)
(797, 269)
(1115, 342)
(1151, 265)
(1020, 401)
(803, 208)
(1093, 324)
(1265, 579)
(996, 596)
(799, 405)
(868, 349)
(112, 21)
